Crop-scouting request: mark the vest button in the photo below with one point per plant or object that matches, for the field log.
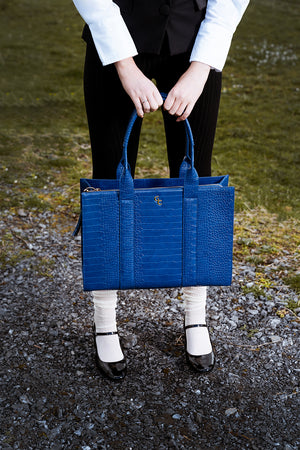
(164, 10)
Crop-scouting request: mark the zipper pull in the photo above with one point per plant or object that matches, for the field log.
(91, 189)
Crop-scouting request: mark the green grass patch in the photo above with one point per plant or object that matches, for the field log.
(293, 304)
(260, 238)
(294, 282)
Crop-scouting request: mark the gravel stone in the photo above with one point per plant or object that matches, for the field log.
(230, 411)
(54, 398)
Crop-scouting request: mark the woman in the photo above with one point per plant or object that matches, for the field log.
(183, 45)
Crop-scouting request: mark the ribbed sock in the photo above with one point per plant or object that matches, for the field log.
(198, 341)
(108, 347)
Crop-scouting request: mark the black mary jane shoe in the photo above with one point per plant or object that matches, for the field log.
(201, 363)
(113, 370)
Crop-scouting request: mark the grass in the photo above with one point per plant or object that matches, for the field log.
(260, 109)
(294, 282)
(43, 136)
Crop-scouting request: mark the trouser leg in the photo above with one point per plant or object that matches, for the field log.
(108, 109)
(203, 118)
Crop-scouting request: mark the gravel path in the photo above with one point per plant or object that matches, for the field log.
(54, 398)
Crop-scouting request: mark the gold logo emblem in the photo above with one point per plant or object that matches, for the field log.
(158, 200)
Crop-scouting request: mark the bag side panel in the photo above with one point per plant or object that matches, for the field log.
(100, 240)
(215, 236)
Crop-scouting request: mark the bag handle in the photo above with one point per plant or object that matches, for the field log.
(188, 160)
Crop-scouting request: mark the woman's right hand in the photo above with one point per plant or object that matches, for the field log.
(141, 90)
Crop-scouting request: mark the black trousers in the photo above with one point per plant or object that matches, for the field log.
(109, 108)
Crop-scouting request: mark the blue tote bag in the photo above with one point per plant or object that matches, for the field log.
(156, 233)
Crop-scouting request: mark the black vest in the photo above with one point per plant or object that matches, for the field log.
(149, 21)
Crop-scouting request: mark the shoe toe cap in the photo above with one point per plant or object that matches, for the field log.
(202, 363)
(113, 370)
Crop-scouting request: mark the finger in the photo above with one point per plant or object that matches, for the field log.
(153, 103)
(139, 108)
(185, 114)
(173, 103)
(146, 105)
(169, 101)
(181, 109)
(158, 98)
(176, 107)
(153, 106)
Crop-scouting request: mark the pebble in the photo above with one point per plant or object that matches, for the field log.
(274, 323)
(22, 213)
(275, 338)
(230, 411)
(198, 417)
(129, 341)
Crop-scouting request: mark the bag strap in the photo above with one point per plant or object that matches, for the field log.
(188, 161)
(84, 183)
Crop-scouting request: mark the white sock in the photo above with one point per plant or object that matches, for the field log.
(108, 347)
(198, 341)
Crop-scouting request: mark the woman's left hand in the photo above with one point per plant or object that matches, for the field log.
(183, 96)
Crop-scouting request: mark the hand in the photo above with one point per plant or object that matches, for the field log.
(183, 96)
(140, 89)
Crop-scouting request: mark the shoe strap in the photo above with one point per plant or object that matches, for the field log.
(195, 325)
(108, 333)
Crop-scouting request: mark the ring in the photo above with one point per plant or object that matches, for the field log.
(145, 101)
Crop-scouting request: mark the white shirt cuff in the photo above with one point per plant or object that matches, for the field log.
(213, 40)
(212, 46)
(111, 49)
(109, 31)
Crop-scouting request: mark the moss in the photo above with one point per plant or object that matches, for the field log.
(293, 281)
(34, 202)
(293, 304)
(252, 332)
(257, 291)
(9, 258)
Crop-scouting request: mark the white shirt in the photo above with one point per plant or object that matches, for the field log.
(114, 42)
